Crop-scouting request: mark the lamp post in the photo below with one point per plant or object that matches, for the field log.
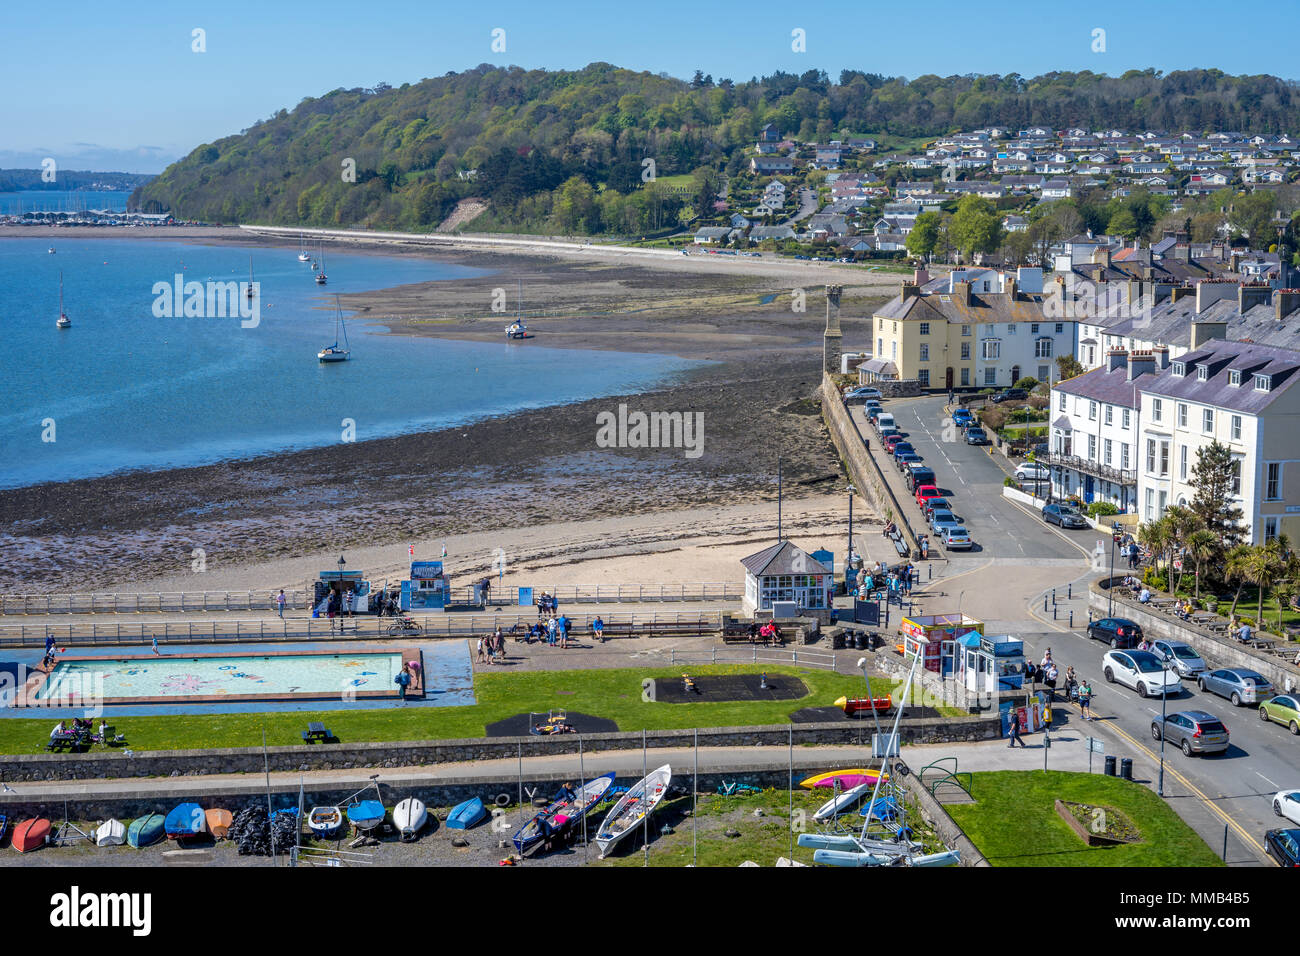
(851, 491)
(1164, 703)
(1110, 584)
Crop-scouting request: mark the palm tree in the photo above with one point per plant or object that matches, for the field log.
(1182, 523)
(1264, 568)
(1202, 545)
(1234, 569)
(1155, 535)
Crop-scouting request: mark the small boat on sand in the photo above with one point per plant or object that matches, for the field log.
(366, 814)
(633, 808)
(410, 816)
(848, 779)
(146, 831)
(186, 820)
(31, 834)
(841, 802)
(561, 815)
(325, 822)
(110, 833)
(467, 814)
(218, 822)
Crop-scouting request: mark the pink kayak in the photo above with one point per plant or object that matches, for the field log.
(848, 779)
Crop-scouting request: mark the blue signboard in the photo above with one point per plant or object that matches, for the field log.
(425, 570)
(525, 597)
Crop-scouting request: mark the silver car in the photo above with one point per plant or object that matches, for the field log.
(1239, 684)
(1195, 731)
(1182, 656)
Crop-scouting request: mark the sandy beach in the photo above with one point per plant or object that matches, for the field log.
(539, 469)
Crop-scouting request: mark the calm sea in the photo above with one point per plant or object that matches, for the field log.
(123, 389)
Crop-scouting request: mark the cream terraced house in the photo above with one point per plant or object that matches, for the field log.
(977, 328)
(1243, 395)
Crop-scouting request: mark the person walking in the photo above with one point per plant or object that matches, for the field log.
(154, 641)
(500, 649)
(1014, 732)
(480, 650)
(279, 604)
(1085, 699)
(1050, 673)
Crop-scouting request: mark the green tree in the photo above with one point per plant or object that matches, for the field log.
(1236, 566)
(975, 226)
(1123, 223)
(1069, 366)
(1212, 478)
(924, 236)
(1202, 545)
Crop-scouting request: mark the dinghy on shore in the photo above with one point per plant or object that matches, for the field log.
(146, 831)
(467, 814)
(186, 820)
(218, 823)
(631, 810)
(410, 816)
(325, 822)
(110, 833)
(31, 834)
(562, 815)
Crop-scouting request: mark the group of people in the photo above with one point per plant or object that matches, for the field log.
(81, 732)
(547, 604)
(492, 649)
(896, 582)
(386, 602)
(768, 632)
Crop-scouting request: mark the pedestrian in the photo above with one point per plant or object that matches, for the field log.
(598, 626)
(417, 678)
(279, 603)
(500, 648)
(1014, 732)
(480, 649)
(1085, 699)
(1051, 673)
(1047, 716)
(551, 626)
(402, 680)
(154, 641)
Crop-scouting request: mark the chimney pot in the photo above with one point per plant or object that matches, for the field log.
(1116, 359)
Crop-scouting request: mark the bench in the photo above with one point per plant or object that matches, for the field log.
(316, 733)
(70, 743)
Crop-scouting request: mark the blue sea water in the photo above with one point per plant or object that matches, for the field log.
(124, 389)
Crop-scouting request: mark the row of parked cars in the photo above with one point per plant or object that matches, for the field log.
(919, 477)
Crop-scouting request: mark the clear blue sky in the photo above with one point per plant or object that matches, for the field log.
(116, 86)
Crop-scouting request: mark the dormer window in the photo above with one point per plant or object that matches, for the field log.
(1234, 376)
(1180, 369)
(1263, 383)
(1202, 373)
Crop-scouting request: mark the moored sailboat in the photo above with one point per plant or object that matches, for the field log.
(333, 353)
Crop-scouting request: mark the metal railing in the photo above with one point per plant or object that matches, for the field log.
(297, 598)
(1096, 469)
(320, 629)
(756, 656)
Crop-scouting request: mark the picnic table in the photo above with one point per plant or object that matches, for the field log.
(316, 733)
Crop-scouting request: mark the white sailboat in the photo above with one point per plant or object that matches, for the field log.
(410, 816)
(630, 811)
(320, 276)
(63, 321)
(302, 249)
(518, 329)
(334, 353)
(249, 293)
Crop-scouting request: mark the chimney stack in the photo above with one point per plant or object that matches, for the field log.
(1179, 292)
(1139, 363)
(1251, 294)
(1116, 359)
(1285, 301)
(920, 276)
(1210, 291)
(961, 291)
(1161, 354)
(909, 290)
(1203, 332)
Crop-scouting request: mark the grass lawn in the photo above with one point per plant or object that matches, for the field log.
(613, 694)
(1014, 822)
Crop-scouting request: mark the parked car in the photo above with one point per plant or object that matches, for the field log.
(1142, 671)
(885, 420)
(892, 441)
(1183, 657)
(1066, 516)
(976, 436)
(1283, 709)
(902, 446)
(918, 476)
(906, 458)
(956, 539)
(890, 431)
(961, 417)
(1283, 846)
(873, 412)
(943, 518)
(924, 492)
(1195, 731)
(1286, 803)
(1116, 631)
(861, 392)
(1033, 471)
(1239, 684)
(936, 504)
(1008, 395)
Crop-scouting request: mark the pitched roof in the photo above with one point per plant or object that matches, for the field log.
(1221, 356)
(783, 557)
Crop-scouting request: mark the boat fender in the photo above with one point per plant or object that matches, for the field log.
(502, 800)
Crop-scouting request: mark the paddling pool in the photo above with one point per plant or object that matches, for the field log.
(203, 678)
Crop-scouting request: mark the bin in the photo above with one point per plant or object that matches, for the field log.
(1110, 765)
(1126, 768)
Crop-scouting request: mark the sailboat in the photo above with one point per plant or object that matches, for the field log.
(518, 329)
(302, 249)
(320, 276)
(249, 293)
(63, 321)
(333, 353)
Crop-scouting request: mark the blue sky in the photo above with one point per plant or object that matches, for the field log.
(110, 86)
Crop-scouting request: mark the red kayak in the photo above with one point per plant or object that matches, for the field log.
(31, 834)
(856, 705)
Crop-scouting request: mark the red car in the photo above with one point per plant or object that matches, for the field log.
(890, 441)
(925, 493)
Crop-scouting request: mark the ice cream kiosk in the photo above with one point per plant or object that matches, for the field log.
(990, 665)
(935, 638)
(428, 589)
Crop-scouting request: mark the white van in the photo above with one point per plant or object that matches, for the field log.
(885, 420)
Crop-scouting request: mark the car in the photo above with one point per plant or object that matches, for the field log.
(902, 447)
(1194, 731)
(1283, 846)
(936, 504)
(1142, 671)
(1066, 516)
(885, 420)
(1286, 803)
(919, 475)
(926, 491)
(892, 440)
(956, 538)
(1282, 709)
(889, 432)
(1032, 471)
(962, 417)
(943, 518)
(1183, 657)
(976, 436)
(1008, 395)
(1239, 684)
(864, 391)
(1116, 631)
(906, 458)
(873, 411)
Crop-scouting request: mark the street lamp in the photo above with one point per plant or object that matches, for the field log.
(1164, 703)
(852, 491)
(1110, 583)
